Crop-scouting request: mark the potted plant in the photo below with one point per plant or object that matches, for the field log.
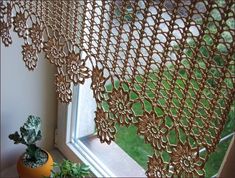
(68, 169)
(35, 162)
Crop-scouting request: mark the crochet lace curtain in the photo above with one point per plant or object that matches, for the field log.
(165, 66)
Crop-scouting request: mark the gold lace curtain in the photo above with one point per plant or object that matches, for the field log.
(165, 66)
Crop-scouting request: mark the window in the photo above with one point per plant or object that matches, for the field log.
(166, 67)
(76, 138)
(79, 128)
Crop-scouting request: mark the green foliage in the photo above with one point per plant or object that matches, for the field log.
(68, 169)
(29, 133)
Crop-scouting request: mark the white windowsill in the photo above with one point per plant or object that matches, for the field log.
(114, 158)
(11, 172)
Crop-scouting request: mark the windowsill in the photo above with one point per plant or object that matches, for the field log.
(114, 158)
(11, 172)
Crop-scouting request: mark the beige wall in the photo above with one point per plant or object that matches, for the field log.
(23, 93)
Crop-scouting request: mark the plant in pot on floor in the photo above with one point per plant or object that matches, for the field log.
(35, 162)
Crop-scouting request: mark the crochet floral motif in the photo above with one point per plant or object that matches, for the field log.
(29, 56)
(186, 161)
(120, 105)
(63, 88)
(98, 82)
(157, 168)
(35, 33)
(76, 68)
(54, 52)
(19, 22)
(105, 126)
(154, 130)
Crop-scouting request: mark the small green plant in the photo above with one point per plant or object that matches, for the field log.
(30, 133)
(68, 169)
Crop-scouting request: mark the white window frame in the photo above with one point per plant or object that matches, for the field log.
(65, 133)
(71, 120)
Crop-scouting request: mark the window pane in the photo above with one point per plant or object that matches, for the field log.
(135, 146)
(213, 164)
(230, 124)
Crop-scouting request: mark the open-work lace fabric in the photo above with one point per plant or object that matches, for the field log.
(165, 66)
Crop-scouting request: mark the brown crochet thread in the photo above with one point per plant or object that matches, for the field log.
(165, 66)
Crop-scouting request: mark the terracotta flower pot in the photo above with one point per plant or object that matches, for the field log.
(38, 172)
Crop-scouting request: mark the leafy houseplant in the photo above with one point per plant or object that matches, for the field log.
(68, 169)
(35, 162)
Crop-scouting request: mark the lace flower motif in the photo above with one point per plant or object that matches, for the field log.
(63, 88)
(3, 10)
(105, 126)
(187, 162)
(5, 34)
(5, 26)
(154, 130)
(35, 33)
(97, 84)
(76, 68)
(156, 167)
(19, 22)
(30, 56)
(120, 105)
(54, 52)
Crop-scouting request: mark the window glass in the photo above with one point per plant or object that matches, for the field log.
(135, 146)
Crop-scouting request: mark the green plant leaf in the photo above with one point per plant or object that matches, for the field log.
(70, 169)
